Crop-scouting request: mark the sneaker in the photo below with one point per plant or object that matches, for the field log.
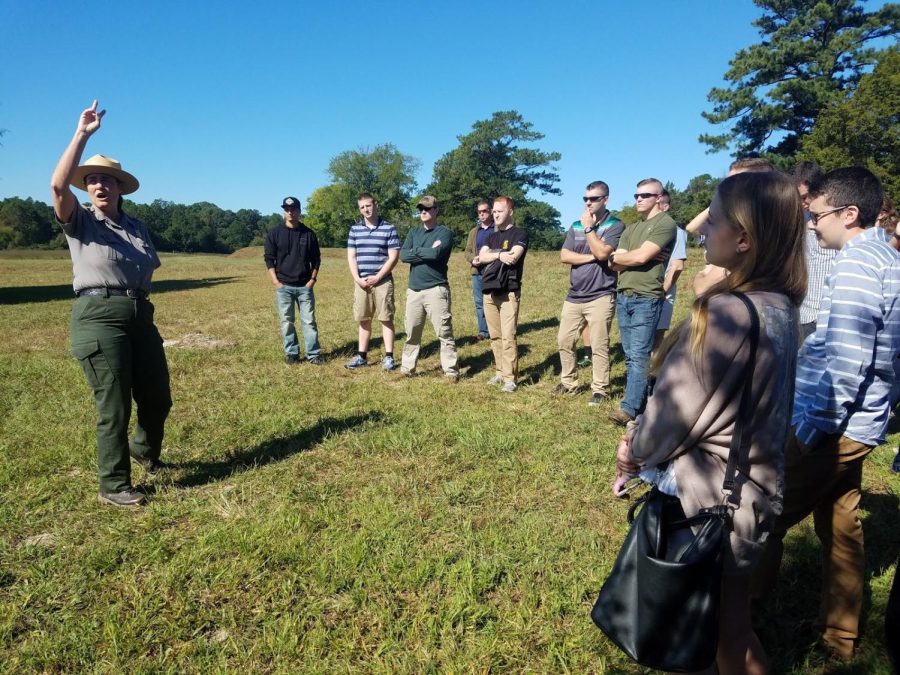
(508, 387)
(585, 362)
(620, 417)
(291, 359)
(356, 362)
(316, 361)
(125, 498)
(562, 390)
(150, 466)
(388, 363)
(496, 380)
(596, 399)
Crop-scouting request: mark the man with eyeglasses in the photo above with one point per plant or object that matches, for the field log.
(841, 399)
(427, 250)
(640, 260)
(477, 237)
(291, 253)
(592, 292)
(818, 259)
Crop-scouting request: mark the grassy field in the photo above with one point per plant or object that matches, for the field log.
(322, 520)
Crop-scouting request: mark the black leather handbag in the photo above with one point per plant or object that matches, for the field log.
(660, 603)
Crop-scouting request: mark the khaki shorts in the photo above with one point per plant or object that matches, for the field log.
(376, 303)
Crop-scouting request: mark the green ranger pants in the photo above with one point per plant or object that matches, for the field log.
(121, 353)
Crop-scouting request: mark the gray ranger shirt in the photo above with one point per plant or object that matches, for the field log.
(106, 254)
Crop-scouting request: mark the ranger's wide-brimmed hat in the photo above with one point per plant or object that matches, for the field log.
(109, 167)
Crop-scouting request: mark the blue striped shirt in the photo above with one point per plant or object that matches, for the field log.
(845, 369)
(372, 246)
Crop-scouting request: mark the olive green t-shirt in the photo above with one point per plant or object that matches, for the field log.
(647, 279)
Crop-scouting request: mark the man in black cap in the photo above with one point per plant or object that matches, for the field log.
(292, 258)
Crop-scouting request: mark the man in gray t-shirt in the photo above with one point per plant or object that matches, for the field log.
(592, 292)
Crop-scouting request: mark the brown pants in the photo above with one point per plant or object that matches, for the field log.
(501, 311)
(825, 482)
(597, 315)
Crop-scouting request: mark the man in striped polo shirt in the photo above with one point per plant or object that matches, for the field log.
(841, 403)
(373, 249)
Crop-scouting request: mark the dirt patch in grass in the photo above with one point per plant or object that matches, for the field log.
(200, 341)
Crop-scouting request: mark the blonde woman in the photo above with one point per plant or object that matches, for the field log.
(755, 231)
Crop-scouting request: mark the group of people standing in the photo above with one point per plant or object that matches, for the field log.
(819, 408)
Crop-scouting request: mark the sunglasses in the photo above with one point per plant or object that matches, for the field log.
(645, 195)
(483, 210)
(593, 200)
(422, 209)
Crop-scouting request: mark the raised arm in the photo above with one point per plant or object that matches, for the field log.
(64, 201)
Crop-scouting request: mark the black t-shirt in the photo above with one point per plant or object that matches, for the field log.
(496, 276)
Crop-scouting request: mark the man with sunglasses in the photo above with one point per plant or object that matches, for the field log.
(841, 401)
(640, 260)
(592, 292)
(291, 253)
(427, 250)
(477, 237)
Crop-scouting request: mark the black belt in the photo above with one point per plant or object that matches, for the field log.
(106, 292)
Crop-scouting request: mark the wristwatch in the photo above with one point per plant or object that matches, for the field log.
(589, 229)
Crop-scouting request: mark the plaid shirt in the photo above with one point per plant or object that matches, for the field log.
(818, 265)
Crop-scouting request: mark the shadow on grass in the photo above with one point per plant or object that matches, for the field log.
(785, 622)
(15, 295)
(200, 473)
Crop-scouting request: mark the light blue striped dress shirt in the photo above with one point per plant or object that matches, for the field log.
(846, 368)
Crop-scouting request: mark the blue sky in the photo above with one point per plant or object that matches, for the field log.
(242, 103)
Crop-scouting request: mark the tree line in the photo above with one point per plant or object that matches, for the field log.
(815, 87)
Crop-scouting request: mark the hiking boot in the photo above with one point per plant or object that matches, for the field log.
(356, 362)
(596, 399)
(291, 359)
(125, 498)
(150, 466)
(508, 387)
(620, 417)
(495, 380)
(387, 363)
(316, 361)
(562, 390)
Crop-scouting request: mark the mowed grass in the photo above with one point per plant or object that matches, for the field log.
(322, 520)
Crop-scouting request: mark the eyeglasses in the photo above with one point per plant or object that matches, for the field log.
(816, 217)
(591, 199)
(645, 195)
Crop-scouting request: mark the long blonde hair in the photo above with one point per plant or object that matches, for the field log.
(767, 207)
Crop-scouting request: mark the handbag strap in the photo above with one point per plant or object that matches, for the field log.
(744, 411)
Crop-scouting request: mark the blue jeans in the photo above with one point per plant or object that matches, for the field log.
(638, 316)
(285, 297)
(479, 306)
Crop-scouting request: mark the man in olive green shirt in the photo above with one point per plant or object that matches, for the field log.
(427, 250)
(640, 260)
